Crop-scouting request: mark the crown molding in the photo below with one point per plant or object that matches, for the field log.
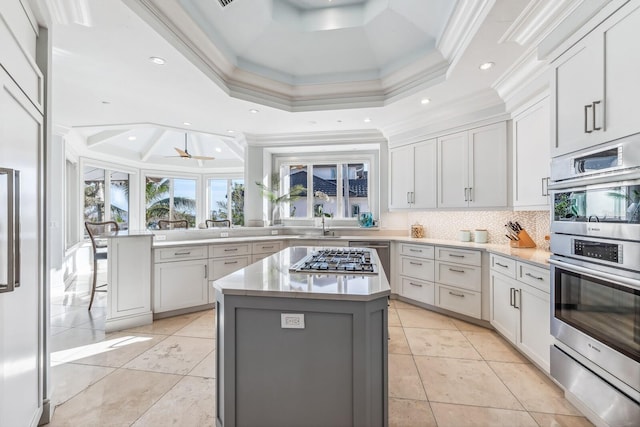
(462, 27)
(173, 24)
(537, 20)
(527, 69)
(369, 136)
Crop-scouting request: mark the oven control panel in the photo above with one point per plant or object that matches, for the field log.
(598, 250)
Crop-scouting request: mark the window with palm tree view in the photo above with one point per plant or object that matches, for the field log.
(226, 195)
(170, 199)
(106, 196)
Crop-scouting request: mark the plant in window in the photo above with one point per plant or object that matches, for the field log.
(277, 200)
(159, 203)
(318, 209)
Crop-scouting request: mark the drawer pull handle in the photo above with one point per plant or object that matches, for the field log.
(456, 270)
(415, 250)
(456, 256)
(230, 262)
(535, 277)
(502, 265)
(231, 250)
(455, 294)
(415, 284)
(182, 253)
(415, 263)
(267, 247)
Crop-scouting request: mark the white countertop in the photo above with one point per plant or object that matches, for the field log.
(125, 233)
(270, 277)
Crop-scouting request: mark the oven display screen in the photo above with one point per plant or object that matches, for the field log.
(598, 250)
(603, 310)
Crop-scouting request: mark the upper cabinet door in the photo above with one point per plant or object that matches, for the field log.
(579, 96)
(622, 62)
(453, 170)
(595, 85)
(425, 175)
(488, 166)
(531, 145)
(401, 176)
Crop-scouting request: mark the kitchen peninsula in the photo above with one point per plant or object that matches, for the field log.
(301, 348)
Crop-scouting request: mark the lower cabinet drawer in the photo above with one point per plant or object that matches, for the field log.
(229, 250)
(461, 276)
(459, 300)
(266, 247)
(180, 253)
(417, 290)
(221, 267)
(537, 277)
(416, 267)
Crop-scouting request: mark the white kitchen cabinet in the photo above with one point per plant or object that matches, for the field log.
(458, 278)
(413, 176)
(531, 154)
(180, 284)
(415, 272)
(595, 85)
(521, 311)
(472, 168)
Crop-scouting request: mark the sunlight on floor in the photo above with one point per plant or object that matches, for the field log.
(76, 353)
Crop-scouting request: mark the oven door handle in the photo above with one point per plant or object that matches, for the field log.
(625, 281)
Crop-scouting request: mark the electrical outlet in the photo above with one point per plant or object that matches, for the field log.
(224, 234)
(292, 320)
(274, 232)
(160, 237)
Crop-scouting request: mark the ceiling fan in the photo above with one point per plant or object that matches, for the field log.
(186, 155)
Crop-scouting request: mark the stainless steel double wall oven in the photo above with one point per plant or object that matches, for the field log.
(595, 272)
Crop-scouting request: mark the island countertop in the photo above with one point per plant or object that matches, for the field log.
(271, 277)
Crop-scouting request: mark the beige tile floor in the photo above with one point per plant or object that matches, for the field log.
(442, 372)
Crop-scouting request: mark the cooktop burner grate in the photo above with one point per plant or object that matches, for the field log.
(337, 260)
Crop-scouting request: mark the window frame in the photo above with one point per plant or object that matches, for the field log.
(154, 173)
(229, 177)
(372, 158)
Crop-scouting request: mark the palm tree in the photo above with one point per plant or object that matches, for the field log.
(159, 203)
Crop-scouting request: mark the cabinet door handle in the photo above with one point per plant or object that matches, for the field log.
(516, 296)
(206, 271)
(535, 277)
(593, 115)
(267, 247)
(182, 253)
(13, 230)
(415, 263)
(415, 250)
(408, 197)
(471, 194)
(415, 284)
(586, 118)
(502, 265)
(456, 256)
(230, 262)
(231, 250)
(511, 290)
(456, 270)
(545, 186)
(455, 294)
(466, 198)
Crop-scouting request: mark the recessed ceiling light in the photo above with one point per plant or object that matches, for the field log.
(132, 138)
(425, 101)
(187, 123)
(339, 121)
(367, 120)
(157, 60)
(218, 150)
(486, 65)
(254, 111)
(231, 131)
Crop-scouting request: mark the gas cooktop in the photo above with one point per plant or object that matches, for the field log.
(337, 260)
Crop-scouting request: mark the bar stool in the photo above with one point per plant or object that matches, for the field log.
(218, 223)
(94, 229)
(165, 224)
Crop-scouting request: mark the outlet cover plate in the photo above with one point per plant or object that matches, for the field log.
(292, 320)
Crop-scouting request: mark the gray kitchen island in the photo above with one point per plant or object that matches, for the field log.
(302, 348)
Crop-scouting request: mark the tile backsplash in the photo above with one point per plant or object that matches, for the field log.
(446, 224)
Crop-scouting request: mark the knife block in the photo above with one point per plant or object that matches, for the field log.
(524, 241)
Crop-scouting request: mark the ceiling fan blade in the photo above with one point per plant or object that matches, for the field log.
(181, 152)
(201, 157)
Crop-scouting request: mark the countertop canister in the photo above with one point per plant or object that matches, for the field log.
(480, 236)
(417, 231)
